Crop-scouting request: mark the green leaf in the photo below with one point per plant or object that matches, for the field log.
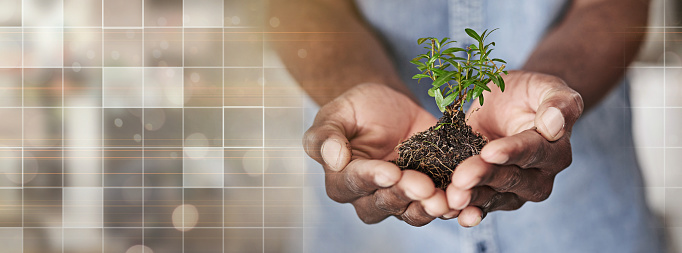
(483, 34)
(446, 43)
(421, 40)
(454, 60)
(452, 50)
(442, 42)
(477, 92)
(482, 86)
(443, 79)
(432, 91)
(470, 93)
(420, 76)
(480, 99)
(487, 53)
(439, 72)
(431, 61)
(496, 81)
(449, 99)
(473, 34)
(484, 37)
(439, 100)
(468, 82)
(501, 83)
(500, 60)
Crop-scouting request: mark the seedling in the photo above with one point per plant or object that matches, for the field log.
(457, 75)
(456, 79)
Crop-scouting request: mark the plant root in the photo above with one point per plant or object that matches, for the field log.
(437, 151)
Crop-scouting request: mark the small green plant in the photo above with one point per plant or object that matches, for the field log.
(457, 75)
(456, 80)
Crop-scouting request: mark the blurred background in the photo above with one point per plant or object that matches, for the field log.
(171, 126)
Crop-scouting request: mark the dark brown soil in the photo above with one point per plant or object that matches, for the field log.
(437, 151)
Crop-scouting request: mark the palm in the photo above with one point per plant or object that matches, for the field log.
(382, 122)
(511, 112)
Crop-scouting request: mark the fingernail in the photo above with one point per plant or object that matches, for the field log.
(553, 120)
(451, 214)
(331, 152)
(476, 222)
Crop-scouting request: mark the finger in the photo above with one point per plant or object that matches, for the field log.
(367, 210)
(457, 198)
(361, 178)
(469, 217)
(490, 200)
(326, 141)
(451, 214)
(436, 205)
(486, 200)
(529, 149)
(529, 184)
(415, 215)
(558, 110)
(412, 186)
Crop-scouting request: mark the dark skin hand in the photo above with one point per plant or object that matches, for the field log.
(356, 169)
(529, 125)
(519, 163)
(488, 182)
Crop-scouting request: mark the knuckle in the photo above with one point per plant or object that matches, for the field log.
(366, 218)
(333, 194)
(567, 158)
(513, 180)
(532, 158)
(543, 193)
(492, 203)
(354, 185)
(366, 213)
(414, 219)
(389, 206)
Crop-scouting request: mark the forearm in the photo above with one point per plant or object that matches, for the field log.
(592, 47)
(340, 51)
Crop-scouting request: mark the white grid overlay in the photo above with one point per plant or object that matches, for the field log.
(106, 148)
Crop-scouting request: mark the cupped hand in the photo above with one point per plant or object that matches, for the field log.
(529, 128)
(354, 136)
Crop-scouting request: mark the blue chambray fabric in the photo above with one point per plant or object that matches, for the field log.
(598, 203)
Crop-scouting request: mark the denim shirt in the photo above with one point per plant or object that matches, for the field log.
(597, 204)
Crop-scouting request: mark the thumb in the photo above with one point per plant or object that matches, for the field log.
(326, 141)
(559, 109)
(327, 147)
